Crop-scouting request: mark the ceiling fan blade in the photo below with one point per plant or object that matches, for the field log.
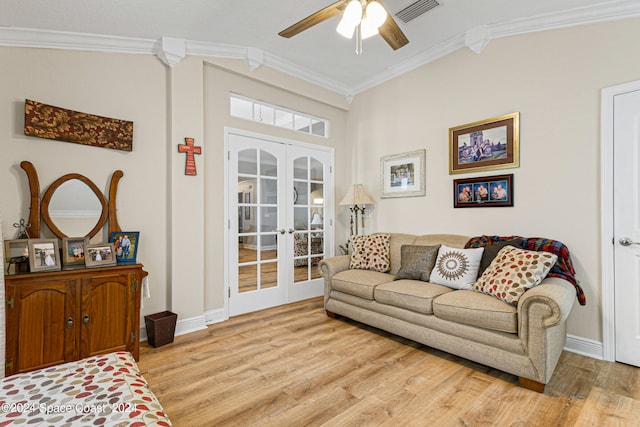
(392, 34)
(313, 19)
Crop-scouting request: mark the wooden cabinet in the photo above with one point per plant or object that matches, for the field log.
(57, 317)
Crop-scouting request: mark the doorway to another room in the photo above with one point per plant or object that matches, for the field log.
(280, 224)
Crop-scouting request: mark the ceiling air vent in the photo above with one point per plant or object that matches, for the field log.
(416, 9)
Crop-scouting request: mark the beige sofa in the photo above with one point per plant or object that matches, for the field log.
(525, 341)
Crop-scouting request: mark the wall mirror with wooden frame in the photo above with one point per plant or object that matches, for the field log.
(72, 206)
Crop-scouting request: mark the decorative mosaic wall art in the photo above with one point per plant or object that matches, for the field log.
(46, 121)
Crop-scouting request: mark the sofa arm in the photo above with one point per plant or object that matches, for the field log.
(557, 294)
(329, 267)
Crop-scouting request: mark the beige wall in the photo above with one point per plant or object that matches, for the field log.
(554, 80)
(130, 87)
(180, 217)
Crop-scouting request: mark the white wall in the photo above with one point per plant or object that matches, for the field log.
(554, 80)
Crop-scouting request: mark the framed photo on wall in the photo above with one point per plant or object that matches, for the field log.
(126, 246)
(483, 192)
(403, 175)
(44, 255)
(485, 145)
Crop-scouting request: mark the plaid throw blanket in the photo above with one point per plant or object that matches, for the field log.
(563, 268)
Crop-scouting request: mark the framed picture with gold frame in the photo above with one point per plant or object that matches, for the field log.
(484, 145)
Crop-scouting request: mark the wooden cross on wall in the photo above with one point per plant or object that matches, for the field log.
(190, 149)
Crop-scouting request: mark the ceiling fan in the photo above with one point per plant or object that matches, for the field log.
(364, 18)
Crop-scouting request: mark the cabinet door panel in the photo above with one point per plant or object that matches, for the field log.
(37, 326)
(107, 312)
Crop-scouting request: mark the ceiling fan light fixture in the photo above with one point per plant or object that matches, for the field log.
(367, 28)
(376, 14)
(350, 19)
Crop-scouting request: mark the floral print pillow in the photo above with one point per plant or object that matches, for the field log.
(371, 253)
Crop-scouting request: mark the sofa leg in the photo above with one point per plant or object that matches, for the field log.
(531, 384)
(331, 314)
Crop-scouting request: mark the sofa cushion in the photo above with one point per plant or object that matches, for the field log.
(417, 262)
(513, 271)
(360, 283)
(397, 241)
(456, 268)
(491, 250)
(371, 253)
(475, 309)
(409, 294)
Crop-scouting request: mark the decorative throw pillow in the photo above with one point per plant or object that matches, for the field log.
(417, 262)
(490, 252)
(371, 253)
(456, 268)
(513, 271)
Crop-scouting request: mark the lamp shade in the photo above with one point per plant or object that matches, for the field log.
(357, 195)
(316, 220)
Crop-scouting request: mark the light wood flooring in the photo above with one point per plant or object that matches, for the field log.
(294, 366)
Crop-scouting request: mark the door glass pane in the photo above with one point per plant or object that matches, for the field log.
(269, 219)
(247, 278)
(301, 218)
(268, 164)
(317, 127)
(317, 194)
(246, 186)
(248, 162)
(269, 250)
(300, 168)
(317, 170)
(315, 271)
(317, 243)
(269, 191)
(247, 253)
(302, 123)
(268, 275)
(300, 193)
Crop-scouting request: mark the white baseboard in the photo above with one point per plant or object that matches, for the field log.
(584, 346)
(183, 326)
(214, 316)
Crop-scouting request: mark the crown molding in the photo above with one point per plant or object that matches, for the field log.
(47, 39)
(476, 39)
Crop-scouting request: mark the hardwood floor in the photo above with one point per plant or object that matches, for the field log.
(294, 366)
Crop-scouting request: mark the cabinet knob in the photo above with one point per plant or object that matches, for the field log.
(85, 319)
(70, 323)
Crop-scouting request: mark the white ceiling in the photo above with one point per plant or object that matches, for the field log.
(249, 29)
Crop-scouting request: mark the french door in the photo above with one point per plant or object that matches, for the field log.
(279, 221)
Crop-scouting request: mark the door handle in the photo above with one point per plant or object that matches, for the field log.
(281, 230)
(625, 241)
(70, 323)
(85, 319)
(291, 230)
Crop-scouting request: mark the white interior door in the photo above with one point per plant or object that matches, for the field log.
(626, 129)
(279, 197)
(257, 190)
(312, 182)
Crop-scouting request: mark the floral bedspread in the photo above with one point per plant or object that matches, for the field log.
(105, 390)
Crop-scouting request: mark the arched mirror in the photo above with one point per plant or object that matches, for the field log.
(74, 206)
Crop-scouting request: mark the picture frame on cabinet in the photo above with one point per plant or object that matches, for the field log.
(73, 251)
(126, 246)
(485, 145)
(16, 253)
(100, 255)
(44, 255)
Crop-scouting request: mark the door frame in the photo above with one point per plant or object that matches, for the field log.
(330, 208)
(607, 215)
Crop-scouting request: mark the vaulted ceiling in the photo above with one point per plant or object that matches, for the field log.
(249, 30)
